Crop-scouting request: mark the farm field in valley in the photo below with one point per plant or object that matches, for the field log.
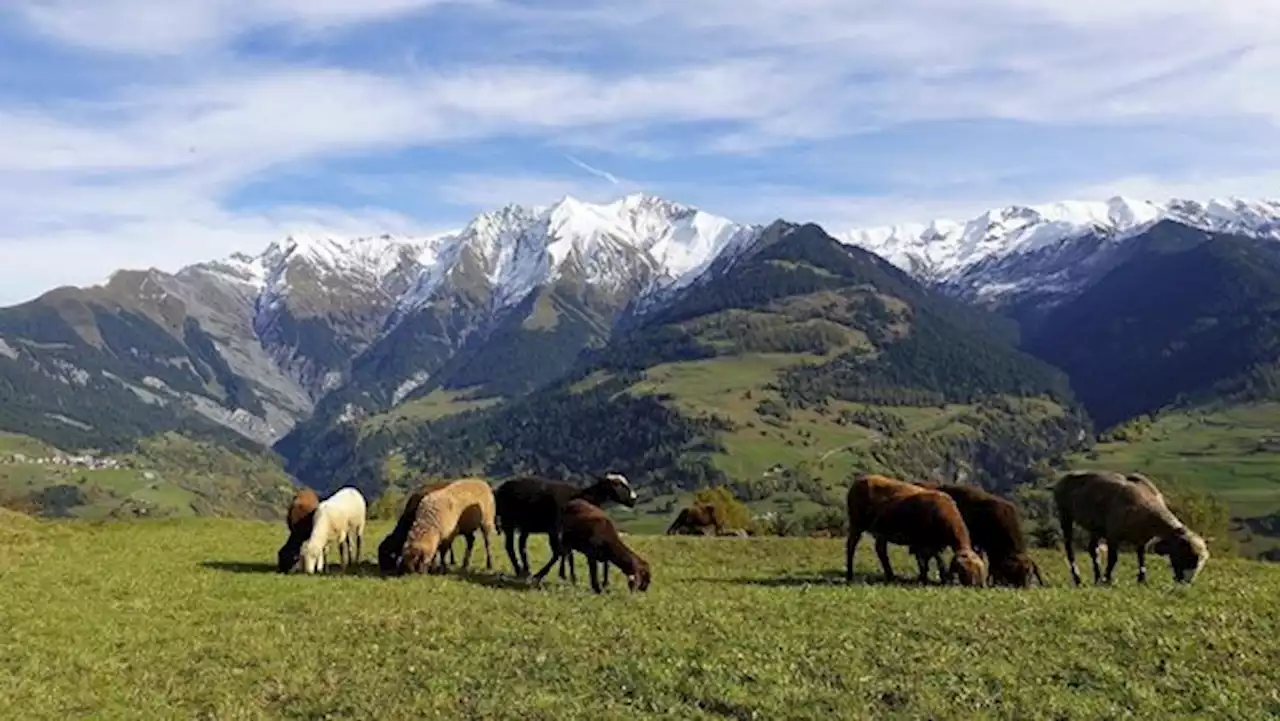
(187, 619)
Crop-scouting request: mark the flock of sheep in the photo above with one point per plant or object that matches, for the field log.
(982, 531)
(435, 514)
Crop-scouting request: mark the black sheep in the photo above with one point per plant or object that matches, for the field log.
(530, 504)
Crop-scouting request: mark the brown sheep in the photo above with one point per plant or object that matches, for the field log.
(298, 520)
(996, 532)
(391, 546)
(698, 519)
(462, 507)
(584, 528)
(1125, 509)
(905, 514)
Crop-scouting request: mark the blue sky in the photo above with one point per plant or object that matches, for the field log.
(156, 133)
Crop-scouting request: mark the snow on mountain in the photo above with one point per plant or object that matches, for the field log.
(945, 250)
(635, 238)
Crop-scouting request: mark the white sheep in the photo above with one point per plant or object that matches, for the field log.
(341, 518)
(460, 508)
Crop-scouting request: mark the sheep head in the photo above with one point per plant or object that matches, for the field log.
(620, 489)
(413, 560)
(312, 557)
(388, 557)
(639, 580)
(1187, 552)
(287, 557)
(969, 568)
(418, 554)
(1017, 570)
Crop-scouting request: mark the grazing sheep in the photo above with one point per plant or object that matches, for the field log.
(905, 514)
(532, 505)
(391, 546)
(299, 520)
(587, 529)
(698, 519)
(340, 518)
(461, 507)
(1125, 509)
(996, 532)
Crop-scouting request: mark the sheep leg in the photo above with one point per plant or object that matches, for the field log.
(471, 543)
(923, 562)
(359, 543)
(882, 551)
(488, 556)
(547, 568)
(850, 545)
(595, 579)
(524, 552)
(1142, 563)
(606, 573)
(1093, 556)
(1068, 538)
(1113, 555)
(511, 552)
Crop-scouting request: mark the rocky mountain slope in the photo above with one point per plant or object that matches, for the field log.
(252, 344)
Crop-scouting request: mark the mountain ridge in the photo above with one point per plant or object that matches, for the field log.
(321, 325)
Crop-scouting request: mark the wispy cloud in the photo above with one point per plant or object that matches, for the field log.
(593, 170)
(413, 114)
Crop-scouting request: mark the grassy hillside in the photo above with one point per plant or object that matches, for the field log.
(187, 619)
(164, 476)
(1232, 452)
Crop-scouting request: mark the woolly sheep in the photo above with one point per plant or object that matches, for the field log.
(391, 547)
(1125, 509)
(340, 518)
(462, 507)
(905, 514)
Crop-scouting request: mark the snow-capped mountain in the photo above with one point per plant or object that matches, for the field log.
(325, 326)
(636, 239)
(1014, 249)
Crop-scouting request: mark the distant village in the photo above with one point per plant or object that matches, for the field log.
(89, 462)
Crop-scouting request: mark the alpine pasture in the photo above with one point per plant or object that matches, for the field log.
(189, 619)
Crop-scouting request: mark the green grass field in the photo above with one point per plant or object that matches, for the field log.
(186, 619)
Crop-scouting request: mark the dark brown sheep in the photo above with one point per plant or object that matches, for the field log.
(585, 528)
(298, 520)
(923, 520)
(698, 519)
(1125, 509)
(996, 532)
(390, 548)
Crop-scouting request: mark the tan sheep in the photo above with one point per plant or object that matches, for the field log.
(462, 507)
(1125, 509)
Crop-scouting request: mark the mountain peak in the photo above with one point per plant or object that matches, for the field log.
(946, 248)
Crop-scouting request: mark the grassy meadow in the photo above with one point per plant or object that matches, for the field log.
(186, 619)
